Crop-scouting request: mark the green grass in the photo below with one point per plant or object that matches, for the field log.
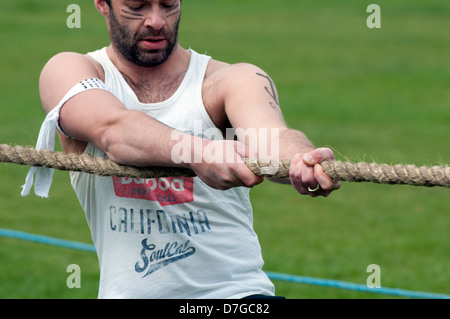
(379, 95)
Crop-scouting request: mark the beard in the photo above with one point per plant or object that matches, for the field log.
(127, 43)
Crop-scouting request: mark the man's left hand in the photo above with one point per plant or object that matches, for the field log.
(307, 175)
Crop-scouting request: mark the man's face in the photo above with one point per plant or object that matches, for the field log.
(145, 32)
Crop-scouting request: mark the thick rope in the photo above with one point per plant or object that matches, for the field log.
(339, 171)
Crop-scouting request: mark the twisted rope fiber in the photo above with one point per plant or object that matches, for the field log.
(339, 171)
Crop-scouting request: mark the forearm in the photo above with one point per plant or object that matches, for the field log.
(291, 142)
(139, 140)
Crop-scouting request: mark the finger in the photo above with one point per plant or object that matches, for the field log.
(295, 174)
(302, 178)
(327, 184)
(245, 177)
(244, 151)
(318, 156)
(308, 179)
(242, 172)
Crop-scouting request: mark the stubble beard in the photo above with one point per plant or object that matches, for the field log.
(127, 43)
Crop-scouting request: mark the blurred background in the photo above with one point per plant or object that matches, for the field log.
(370, 94)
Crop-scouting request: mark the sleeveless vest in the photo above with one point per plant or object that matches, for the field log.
(170, 237)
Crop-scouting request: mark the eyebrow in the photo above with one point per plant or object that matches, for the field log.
(175, 6)
(143, 1)
(137, 0)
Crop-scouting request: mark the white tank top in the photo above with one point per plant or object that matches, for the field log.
(170, 237)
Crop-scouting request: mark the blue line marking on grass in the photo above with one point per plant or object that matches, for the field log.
(46, 240)
(356, 287)
(272, 275)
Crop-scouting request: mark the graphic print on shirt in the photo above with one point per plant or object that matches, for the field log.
(158, 258)
(178, 228)
(166, 191)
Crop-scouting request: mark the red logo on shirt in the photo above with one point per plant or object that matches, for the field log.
(166, 191)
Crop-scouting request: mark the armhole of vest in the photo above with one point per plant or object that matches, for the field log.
(97, 57)
(60, 130)
(204, 62)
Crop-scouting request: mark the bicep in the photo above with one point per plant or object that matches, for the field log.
(251, 98)
(87, 116)
(252, 105)
(82, 116)
(60, 74)
(98, 117)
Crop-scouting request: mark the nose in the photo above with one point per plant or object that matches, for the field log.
(154, 19)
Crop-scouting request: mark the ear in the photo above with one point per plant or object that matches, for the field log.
(102, 7)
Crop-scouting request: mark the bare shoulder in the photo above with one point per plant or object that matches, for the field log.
(62, 72)
(222, 78)
(70, 65)
(225, 81)
(231, 72)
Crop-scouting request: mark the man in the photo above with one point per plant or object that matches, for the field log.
(146, 101)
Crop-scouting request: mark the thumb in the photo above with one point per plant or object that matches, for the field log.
(318, 156)
(244, 151)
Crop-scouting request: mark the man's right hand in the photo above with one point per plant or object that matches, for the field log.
(222, 165)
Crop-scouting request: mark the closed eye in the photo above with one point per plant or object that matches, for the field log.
(136, 8)
(168, 5)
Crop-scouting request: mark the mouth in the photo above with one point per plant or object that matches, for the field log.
(154, 43)
(153, 39)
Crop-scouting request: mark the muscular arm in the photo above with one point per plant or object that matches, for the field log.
(98, 117)
(126, 136)
(252, 105)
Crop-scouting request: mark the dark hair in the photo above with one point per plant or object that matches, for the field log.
(108, 2)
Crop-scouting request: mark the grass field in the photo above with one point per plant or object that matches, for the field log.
(371, 94)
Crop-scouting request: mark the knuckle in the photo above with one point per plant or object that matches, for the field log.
(302, 191)
(327, 185)
(227, 180)
(256, 181)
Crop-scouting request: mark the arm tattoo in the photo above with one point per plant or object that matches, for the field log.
(275, 106)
